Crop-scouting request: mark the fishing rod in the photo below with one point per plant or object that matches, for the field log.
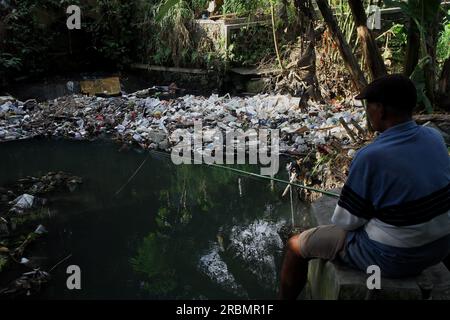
(328, 193)
(243, 172)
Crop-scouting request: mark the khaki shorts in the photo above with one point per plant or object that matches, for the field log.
(324, 242)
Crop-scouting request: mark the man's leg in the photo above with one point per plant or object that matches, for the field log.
(323, 242)
(294, 271)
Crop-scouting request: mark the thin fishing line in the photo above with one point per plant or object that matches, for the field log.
(133, 175)
(243, 172)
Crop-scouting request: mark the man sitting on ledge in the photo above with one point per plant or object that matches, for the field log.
(394, 209)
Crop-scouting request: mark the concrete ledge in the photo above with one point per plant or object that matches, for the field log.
(323, 208)
(333, 281)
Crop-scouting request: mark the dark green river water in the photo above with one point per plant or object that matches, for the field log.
(174, 232)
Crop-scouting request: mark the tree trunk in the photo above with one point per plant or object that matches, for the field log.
(305, 66)
(282, 13)
(349, 59)
(431, 38)
(444, 86)
(412, 48)
(371, 52)
(275, 38)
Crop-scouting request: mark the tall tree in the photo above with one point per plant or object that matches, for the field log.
(371, 52)
(423, 32)
(412, 48)
(347, 55)
(444, 86)
(306, 62)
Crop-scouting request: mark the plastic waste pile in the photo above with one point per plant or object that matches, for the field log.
(25, 202)
(21, 206)
(150, 122)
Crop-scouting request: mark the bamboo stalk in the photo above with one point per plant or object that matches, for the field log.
(344, 48)
(275, 41)
(371, 53)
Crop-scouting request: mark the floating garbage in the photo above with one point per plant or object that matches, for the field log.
(25, 202)
(150, 122)
(17, 233)
(27, 284)
(40, 229)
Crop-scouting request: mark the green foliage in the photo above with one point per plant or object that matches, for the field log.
(239, 7)
(251, 45)
(159, 32)
(9, 62)
(170, 41)
(199, 5)
(3, 262)
(443, 44)
(162, 55)
(25, 44)
(244, 7)
(163, 217)
(151, 260)
(423, 14)
(164, 9)
(36, 31)
(393, 42)
(346, 24)
(345, 20)
(113, 33)
(118, 33)
(399, 34)
(217, 58)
